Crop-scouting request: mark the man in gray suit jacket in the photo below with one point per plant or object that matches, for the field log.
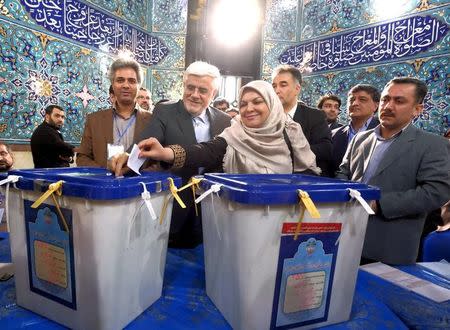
(186, 122)
(410, 166)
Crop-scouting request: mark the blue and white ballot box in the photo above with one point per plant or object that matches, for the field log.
(89, 249)
(282, 251)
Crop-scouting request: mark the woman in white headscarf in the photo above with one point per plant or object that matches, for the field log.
(262, 139)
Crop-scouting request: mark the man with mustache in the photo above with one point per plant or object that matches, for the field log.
(113, 131)
(410, 166)
(362, 104)
(47, 144)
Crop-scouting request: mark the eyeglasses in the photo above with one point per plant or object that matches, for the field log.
(201, 90)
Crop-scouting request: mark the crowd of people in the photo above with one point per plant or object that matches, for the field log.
(270, 131)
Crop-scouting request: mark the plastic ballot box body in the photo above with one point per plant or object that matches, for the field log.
(268, 262)
(92, 254)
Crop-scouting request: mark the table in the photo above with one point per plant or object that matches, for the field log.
(415, 311)
(184, 304)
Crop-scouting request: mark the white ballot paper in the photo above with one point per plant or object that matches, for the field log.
(134, 162)
(409, 282)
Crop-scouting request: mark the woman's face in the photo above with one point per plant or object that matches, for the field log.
(253, 109)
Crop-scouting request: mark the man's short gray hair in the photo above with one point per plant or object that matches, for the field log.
(200, 68)
(122, 63)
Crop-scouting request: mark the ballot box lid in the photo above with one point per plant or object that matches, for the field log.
(93, 183)
(284, 188)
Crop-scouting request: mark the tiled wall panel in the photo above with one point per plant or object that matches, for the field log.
(42, 64)
(420, 42)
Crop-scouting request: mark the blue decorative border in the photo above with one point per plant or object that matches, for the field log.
(80, 22)
(379, 43)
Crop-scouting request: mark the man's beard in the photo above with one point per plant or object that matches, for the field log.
(5, 166)
(52, 123)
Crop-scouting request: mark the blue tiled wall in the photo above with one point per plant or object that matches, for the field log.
(50, 54)
(351, 42)
(59, 52)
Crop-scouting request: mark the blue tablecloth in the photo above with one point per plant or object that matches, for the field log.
(184, 304)
(415, 311)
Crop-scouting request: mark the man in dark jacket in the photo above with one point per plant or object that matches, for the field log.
(47, 144)
(362, 104)
(331, 104)
(286, 81)
(186, 122)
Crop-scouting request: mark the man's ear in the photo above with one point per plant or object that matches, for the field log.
(298, 88)
(377, 107)
(418, 109)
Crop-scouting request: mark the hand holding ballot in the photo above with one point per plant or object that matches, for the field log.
(149, 148)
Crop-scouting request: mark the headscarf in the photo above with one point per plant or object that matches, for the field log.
(264, 149)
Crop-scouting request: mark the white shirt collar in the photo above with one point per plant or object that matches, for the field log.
(291, 112)
(203, 116)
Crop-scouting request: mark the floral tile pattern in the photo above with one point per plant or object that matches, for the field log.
(37, 71)
(133, 11)
(433, 70)
(170, 16)
(167, 84)
(281, 20)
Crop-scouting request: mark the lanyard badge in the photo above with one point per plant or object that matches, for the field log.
(115, 149)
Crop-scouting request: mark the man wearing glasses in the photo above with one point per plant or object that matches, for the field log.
(189, 121)
(144, 99)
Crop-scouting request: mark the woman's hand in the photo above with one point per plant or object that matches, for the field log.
(118, 164)
(151, 148)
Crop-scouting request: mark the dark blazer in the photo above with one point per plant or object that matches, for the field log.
(334, 125)
(339, 138)
(414, 178)
(48, 147)
(315, 127)
(98, 132)
(172, 124)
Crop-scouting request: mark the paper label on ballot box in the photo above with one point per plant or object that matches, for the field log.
(50, 261)
(304, 274)
(50, 253)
